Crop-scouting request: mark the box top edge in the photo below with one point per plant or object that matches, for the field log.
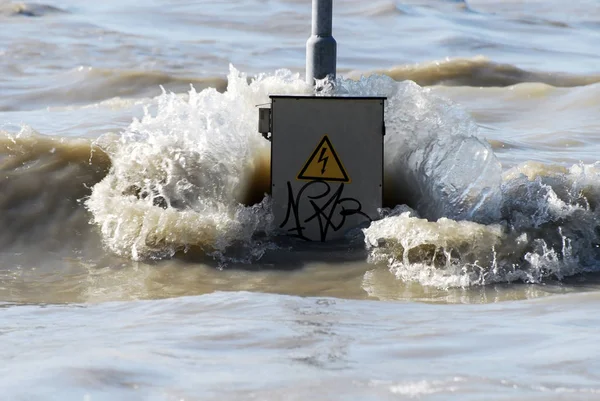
(327, 97)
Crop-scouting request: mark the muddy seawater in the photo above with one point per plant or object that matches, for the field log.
(139, 255)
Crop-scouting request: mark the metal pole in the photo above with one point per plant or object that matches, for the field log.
(321, 48)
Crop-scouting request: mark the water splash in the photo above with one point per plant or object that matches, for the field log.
(548, 228)
(194, 176)
(434, 158)
(179, 177)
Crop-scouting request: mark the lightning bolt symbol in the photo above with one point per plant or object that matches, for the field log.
(323, 159)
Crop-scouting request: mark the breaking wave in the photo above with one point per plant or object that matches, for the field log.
(182, 178)
(548, 227)
(84, 85)
(479, 71)
(44, 179)
(192, 177)
(28, 9)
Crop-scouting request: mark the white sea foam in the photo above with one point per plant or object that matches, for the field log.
(548, 228)
(180, 177)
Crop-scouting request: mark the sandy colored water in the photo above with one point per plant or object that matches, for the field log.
(481, 281)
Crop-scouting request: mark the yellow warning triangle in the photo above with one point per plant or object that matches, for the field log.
(324, 164)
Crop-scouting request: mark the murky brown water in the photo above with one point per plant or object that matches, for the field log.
(492, 194)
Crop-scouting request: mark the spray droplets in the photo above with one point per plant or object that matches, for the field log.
(181, 180)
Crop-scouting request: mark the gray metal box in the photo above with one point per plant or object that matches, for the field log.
(326, 164)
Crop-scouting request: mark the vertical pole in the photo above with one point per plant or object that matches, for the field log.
(321, 47)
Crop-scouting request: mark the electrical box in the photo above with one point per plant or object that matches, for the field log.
(326, 163)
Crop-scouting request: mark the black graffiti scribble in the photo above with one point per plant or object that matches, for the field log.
(324, 217)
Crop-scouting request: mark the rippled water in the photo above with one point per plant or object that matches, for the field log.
(138, 257)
